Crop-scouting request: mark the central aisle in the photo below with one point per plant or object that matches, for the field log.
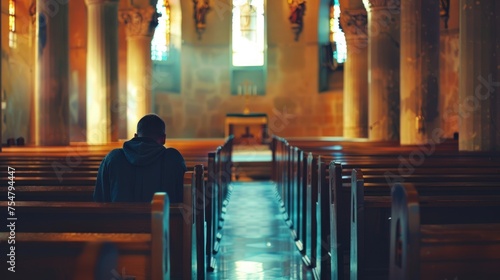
(256, 243)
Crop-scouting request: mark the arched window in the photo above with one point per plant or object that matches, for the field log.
(332, 46)
(337, 37)
(248, 43)
(166, 49)
(160, 45)
(248, 33)
(12, 23)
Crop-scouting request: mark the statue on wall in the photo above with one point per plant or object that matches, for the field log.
(444, 7)
(201, 8)
(297, 11)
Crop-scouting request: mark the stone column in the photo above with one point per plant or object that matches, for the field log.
(419, 71)
(102, 71)
(479, 100)
(383, 69)
(52, 75)
(354, 23)
(140, 23)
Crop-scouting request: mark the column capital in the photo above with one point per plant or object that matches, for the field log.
(139, 21)
(354, 23)
(97, 2)
(382, 4)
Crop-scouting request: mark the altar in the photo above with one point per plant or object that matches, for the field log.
(248, 129)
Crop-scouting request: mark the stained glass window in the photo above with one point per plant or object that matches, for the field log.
(337, 37)
(248, 33)
(12, 23)
(160, 45)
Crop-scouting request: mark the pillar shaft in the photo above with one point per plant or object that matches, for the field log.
(479, 100)
(52, 75)
(140, 24)
(355, 75)
(420, 72)
(102, 71)
(383, 69)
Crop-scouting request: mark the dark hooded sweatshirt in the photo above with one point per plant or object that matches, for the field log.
(138, 170)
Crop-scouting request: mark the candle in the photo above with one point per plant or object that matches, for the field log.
(239, 90)
(254, 90)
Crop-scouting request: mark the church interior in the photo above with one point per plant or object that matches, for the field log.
(324, 139)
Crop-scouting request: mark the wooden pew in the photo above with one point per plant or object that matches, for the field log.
(56, 193)
(223, 167)
(84, 192)
(64, 178)
(370, 220)
(366, 148)
(52, 189)
(302, 190)
(219, 173)
(296, 197)
(59, 167)
(310, 201)
(97, 261)
(338, 221)
(282, 156)
(123, 218)
(439, 251)
(282, 174)
(299, 192)
(288, 186)
(49, 237)
(294, 191)
(44, 191)
(317, 229)
(326, 266)
(399, 161)
(55, 255)
(378, 184)
(212, 211)
(52, 193)
(433, 182)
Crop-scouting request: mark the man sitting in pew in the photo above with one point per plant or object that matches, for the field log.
(142, 167)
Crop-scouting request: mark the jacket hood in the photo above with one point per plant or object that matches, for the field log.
(142, 151)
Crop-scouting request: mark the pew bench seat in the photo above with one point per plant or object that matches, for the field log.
(439, 251)
(55, 256)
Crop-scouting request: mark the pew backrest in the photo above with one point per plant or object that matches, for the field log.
(439, 251)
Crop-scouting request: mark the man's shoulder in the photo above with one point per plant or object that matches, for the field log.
(115, 153)
(172, 152)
